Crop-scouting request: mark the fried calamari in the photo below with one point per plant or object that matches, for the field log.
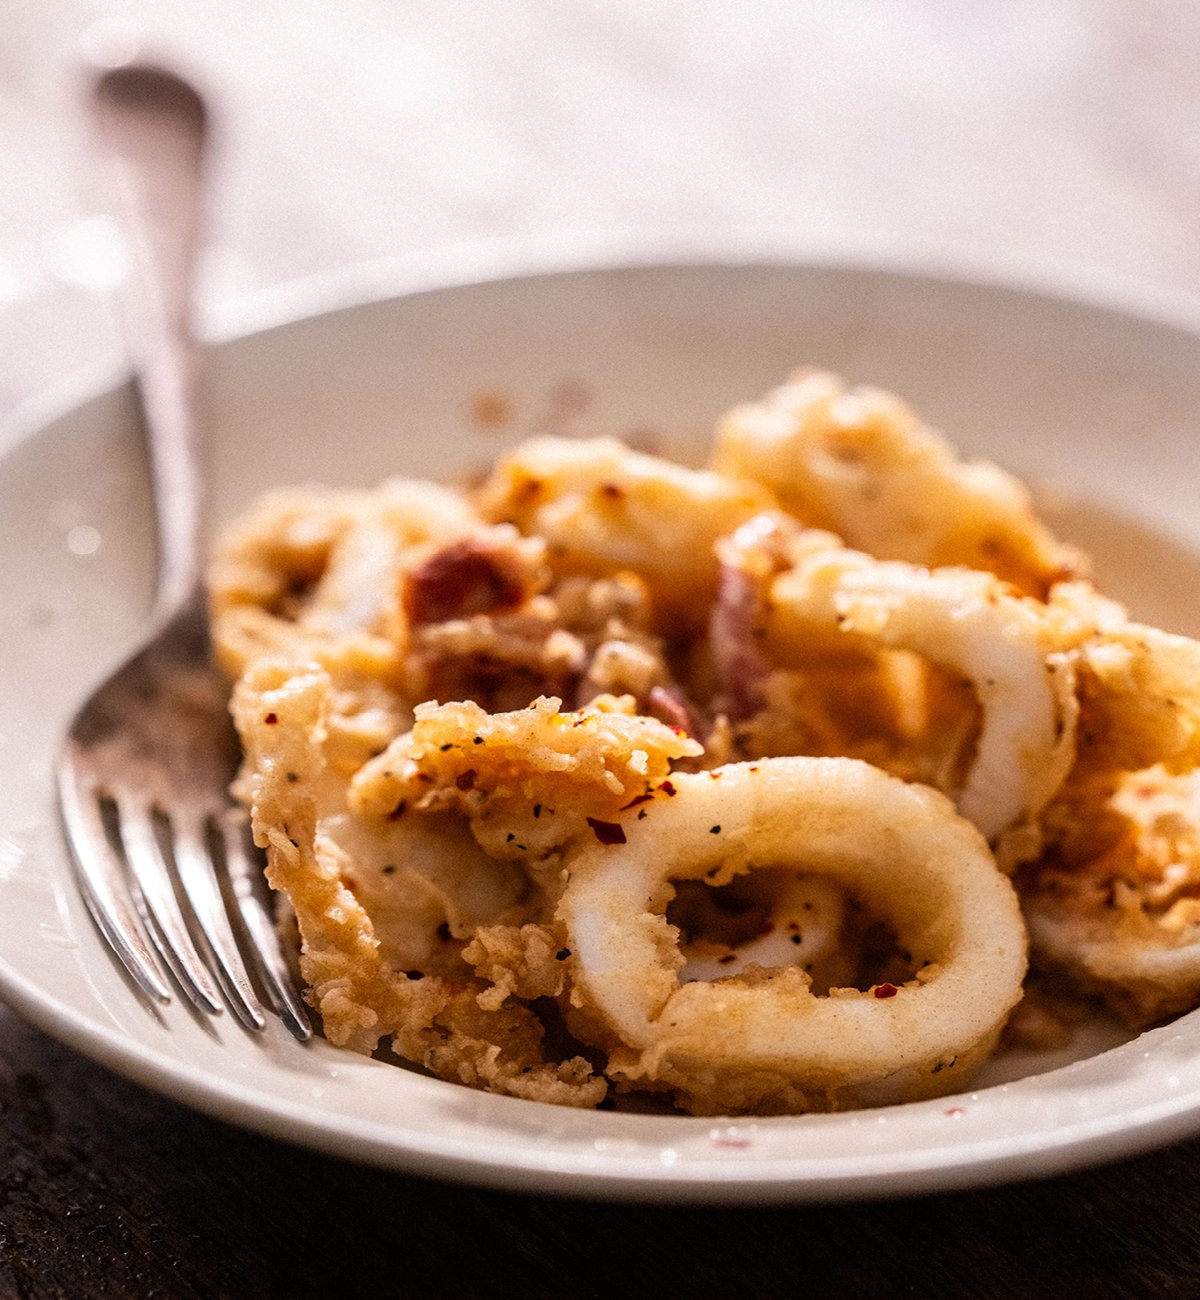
(614, 774)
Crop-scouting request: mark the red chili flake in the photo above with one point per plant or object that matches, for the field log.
(956, 1112)
(398, 811)
(715, 776)
(667, 788)
(733, 1144)
(637, 799)
(886, 990)
(271, 719)
(465, 780)
(607, 832)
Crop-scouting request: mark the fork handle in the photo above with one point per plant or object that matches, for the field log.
(152, 131)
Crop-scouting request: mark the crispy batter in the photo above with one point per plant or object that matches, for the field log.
(318, 571)
(603, 508)
(396, 971)
(970, 623)
(1115, 900)
(530, 782)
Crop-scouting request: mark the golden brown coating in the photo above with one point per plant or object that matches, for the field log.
(1115, 899)
(382, 934)
(603, 508)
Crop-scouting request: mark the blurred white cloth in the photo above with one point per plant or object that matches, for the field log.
(1037, 134)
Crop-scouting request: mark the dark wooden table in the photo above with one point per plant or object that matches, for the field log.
(108, 1190)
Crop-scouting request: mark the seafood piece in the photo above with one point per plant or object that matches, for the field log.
(1115, 899)
(763, 1042)
(860, 463)
(385, 907)
(967, 621)
(601, 507)
(316, 571)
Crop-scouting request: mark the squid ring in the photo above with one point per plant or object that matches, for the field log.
(975, 624)
(768, 1044)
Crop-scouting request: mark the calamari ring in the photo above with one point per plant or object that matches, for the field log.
(768, 1044)
(972, 623)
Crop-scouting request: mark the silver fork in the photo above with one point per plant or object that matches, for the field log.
(162, 855)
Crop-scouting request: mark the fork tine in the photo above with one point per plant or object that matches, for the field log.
(103, 885)
(264, 942)
(194, 863)
(167, 926)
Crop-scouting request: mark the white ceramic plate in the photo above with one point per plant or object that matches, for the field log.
(1095, 405)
